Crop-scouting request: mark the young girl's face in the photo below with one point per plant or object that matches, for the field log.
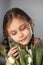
(19, 31)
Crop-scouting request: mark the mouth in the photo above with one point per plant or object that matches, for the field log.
(23, 39)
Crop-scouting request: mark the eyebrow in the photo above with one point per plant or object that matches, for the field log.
(12, 31)
(19, 27)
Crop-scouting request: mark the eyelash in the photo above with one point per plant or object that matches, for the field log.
(23, 28)
(14, 34)
(20, 29)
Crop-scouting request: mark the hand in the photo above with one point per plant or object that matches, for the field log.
(14, 52)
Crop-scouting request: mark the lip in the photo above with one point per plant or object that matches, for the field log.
(23, 39)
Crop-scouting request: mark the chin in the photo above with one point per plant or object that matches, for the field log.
(24, 43)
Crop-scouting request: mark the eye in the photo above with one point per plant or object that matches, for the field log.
(14, 33)
(23, 27)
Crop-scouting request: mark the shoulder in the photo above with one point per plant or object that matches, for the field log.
(38, 50)
(36, 41)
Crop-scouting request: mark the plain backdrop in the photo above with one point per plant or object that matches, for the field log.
(34, 8)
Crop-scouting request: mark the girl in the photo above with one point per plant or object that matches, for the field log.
(19, 27)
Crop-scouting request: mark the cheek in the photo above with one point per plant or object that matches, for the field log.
(27, 32)
(15, 38)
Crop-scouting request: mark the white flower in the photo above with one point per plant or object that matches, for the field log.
(11, 60)
(28, 64)
(29, 60)
(30, 51)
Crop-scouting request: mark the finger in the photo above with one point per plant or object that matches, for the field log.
(11, 52)
(16, 54)
(17, 57)
(13, 48)
(14, 51)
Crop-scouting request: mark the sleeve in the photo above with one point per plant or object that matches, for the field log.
(39, 53)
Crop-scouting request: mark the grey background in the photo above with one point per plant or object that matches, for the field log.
(34, 8)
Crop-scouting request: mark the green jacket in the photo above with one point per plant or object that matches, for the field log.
(38, 53)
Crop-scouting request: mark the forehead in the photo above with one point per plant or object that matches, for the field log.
(15, 24)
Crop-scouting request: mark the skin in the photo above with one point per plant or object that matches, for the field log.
(19, 31)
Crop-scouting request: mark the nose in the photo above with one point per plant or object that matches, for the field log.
(20, 34)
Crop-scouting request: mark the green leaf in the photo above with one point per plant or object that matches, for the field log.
(21, 57)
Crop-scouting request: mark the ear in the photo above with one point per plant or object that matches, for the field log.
(32, 23)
